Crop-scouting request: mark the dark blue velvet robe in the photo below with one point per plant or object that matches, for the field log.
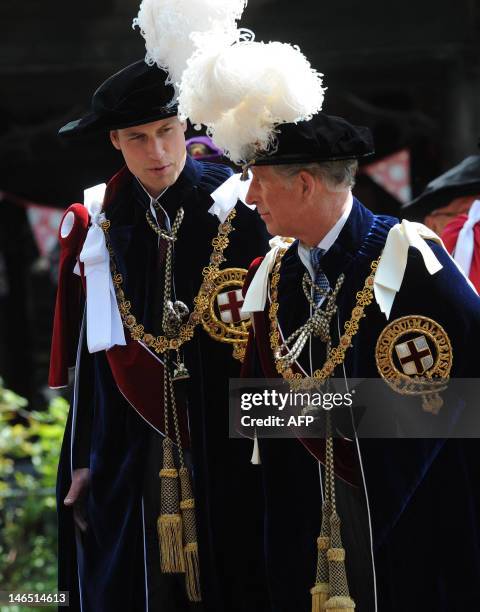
(423, 494)
(123, 450)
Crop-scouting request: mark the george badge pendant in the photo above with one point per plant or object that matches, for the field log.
(180, 371)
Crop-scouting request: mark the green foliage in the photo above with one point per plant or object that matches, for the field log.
(29, 450)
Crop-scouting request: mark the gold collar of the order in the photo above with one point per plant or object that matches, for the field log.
(214, 281)
(337, 354)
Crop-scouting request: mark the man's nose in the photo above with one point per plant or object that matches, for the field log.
(156, 150)
(252, 196)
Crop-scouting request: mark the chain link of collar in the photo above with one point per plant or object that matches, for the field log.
(335, 355)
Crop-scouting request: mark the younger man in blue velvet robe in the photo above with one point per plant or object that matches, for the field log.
(108, 484)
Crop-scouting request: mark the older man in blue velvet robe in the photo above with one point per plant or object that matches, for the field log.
(409, 508)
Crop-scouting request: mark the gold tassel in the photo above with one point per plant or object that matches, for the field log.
(340, 597)
(321, 590)
(169, 524)
(192, 566)
(320, 593)
(169, 527)
(340, 603)
(192, 573)
(339, 594)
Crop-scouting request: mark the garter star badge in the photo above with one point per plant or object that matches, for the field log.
(414, 357)
(222, 318)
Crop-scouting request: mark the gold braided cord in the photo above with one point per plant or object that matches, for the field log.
(336, 355)
(161, 344)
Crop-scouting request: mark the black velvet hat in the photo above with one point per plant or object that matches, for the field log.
(461, 180)
(135, 95)
(323, 138)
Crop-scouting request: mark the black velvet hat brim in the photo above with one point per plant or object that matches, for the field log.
(92, 123)
(305, 159)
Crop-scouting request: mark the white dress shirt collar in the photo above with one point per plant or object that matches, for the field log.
(329, 238)
(153, 201)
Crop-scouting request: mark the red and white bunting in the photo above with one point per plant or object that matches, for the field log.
(392, 173)
(44, 222)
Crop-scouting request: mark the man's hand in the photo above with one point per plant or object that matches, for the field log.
(76, 496)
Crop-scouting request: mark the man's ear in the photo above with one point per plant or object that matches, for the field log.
(308, 183)
(184, 125)
(114, 139)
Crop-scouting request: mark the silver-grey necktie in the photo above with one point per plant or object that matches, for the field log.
(321, 280)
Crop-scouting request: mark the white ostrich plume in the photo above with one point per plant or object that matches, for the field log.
(167, 27)
(243, 91)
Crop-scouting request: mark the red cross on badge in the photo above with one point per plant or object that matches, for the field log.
(229, 304)
(415, 356)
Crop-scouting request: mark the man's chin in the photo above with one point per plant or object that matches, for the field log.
(159, 185)
(271, 227)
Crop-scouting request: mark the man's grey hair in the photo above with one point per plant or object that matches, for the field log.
(337, 175)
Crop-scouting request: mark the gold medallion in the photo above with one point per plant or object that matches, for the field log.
(414, 356)
(222, 318)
